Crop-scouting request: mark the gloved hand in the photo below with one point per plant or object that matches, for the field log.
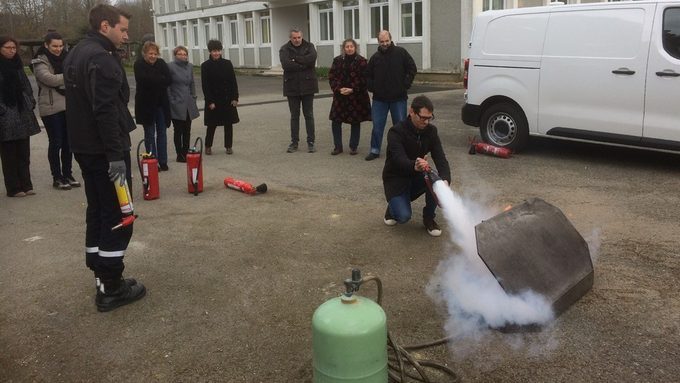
(117, 171)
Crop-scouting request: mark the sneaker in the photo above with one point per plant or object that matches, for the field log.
(72, 181)
(292, 148)
(61, 184)
(336, 151)
(29, 192)
(229, 151)
(311, 148)
(432, 227)
(18, 195)
(389, 221)
(371, 156)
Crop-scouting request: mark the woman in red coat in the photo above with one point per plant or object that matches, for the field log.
(351, 103)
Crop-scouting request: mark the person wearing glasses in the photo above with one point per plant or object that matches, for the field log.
(17, 121)
(408, 144)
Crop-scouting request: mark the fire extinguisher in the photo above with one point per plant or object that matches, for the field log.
(148, 168)
(125, 202)
(244, 186)
(432, 177)
(195, 168)
(484, 148)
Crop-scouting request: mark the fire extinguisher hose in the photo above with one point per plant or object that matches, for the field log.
(400, 358)
(139, 164)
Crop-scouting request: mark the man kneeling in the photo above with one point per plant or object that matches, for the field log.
(408, 144)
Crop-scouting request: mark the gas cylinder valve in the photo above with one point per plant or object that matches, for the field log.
(352, 284)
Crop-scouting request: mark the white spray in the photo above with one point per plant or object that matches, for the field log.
(474, 299)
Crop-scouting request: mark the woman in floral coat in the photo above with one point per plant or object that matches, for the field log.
(351, 103)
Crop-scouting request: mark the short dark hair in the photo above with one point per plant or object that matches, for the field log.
(5, 39)
(214, 45)
(52, 35)
(180, 48)
(104, 12)
(421, 102)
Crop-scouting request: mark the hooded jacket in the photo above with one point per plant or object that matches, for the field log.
(97, 93)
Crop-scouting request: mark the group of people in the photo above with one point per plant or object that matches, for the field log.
(83, 103)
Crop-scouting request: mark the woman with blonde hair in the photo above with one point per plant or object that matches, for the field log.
(152, 108)
(182, 96)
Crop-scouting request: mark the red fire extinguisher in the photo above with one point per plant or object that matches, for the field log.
(148, 168)
(484, 148)
(195, 168)
(244, 186)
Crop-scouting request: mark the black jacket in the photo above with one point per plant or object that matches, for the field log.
(404, 144)
(299, 69)
(97, 93)
(220, 88)
(152, 83)
(390, 74)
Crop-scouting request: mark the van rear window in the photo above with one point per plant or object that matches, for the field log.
(671, 32)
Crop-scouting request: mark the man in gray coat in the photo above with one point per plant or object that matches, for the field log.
(298, 59)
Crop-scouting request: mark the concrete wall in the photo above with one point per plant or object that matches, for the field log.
(446, 35)
(324, 57)
(233, 56)
(248, 57)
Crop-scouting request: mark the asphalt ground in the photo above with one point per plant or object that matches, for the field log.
(233, 280)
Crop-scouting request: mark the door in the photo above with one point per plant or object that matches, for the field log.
(593, 70)
(662, 104)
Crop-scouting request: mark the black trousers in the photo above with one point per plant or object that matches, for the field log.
(228, 135)
(307, 102)
(104, 249)
(182, 136)
(16, 158)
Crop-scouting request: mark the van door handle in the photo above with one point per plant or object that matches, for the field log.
(668, 73)
(623, 71)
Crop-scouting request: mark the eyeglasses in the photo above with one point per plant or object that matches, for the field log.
(426, 118)
(10, 47)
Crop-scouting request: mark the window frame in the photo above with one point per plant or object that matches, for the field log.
(383, 8)
(325, 13)
(355, 22)
(413, 36)
(233, 31)
(265, 29)
(249, 30)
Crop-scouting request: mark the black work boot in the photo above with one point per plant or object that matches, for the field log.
(116, 293)
(97, 283)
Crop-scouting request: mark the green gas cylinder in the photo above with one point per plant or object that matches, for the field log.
(349, 336)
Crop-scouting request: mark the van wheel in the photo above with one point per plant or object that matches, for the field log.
(504, 125)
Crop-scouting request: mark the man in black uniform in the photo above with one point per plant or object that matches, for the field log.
(408, 143)
(99, 126)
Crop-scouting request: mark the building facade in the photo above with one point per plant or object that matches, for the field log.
(435, 32)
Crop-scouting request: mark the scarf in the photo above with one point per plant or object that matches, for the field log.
(12, 88)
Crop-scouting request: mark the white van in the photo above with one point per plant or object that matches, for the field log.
(605, 72)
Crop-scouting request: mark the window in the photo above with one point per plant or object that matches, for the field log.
(265, 27)
(380, 17)
(250, 33)
(195, 29)
(185, 34)
(495, 4)
(350, 11)
(326, 21)
(411, 18)
(671, 31)
(220, 32)
(206, 29)
(233, 30)
(166, 42)
(174, 36)
(530, 3)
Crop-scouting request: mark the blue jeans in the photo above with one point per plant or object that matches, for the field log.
(379, 111)
(400, 205)
(156, 138)
(58, 150)
(307, 110)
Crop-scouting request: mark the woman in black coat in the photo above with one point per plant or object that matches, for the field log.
(152, 108)
(220, 91)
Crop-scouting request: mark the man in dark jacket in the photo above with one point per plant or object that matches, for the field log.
(389, 75)
(298, 59)
(408, 144)
(99, 126)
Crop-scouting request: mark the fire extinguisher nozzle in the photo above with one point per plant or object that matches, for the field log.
(262, 188)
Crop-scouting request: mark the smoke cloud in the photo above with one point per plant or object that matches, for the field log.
(474, 299)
